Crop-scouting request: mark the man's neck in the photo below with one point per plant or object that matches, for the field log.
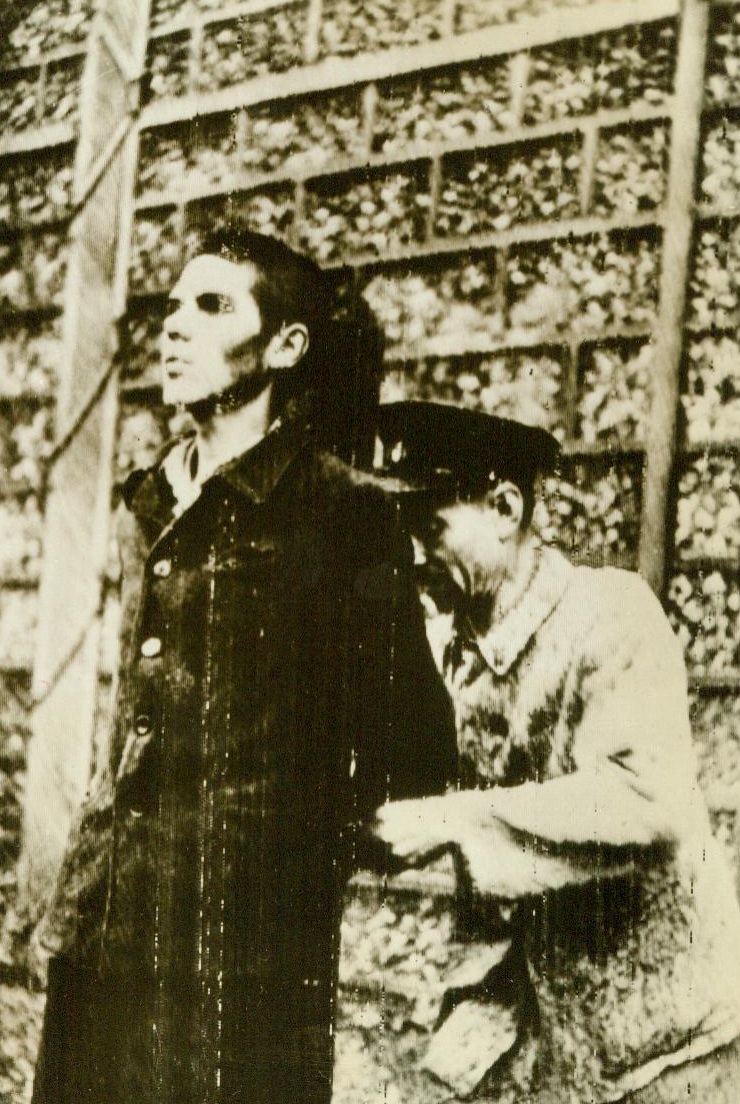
(491, 600)
(230, 433)
(517, 578)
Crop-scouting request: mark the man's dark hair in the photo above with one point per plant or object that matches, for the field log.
(343, 363)
(290, 287)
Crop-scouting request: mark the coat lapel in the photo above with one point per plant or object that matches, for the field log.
(149, 497)
(255, 474)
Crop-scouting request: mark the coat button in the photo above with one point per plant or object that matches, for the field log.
(151, 647)
(143, 724)
(162, 568)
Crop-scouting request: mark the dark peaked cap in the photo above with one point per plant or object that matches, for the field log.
(445, 447)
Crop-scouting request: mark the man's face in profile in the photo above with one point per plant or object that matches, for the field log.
(211, 335)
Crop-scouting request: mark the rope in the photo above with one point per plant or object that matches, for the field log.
(51, 683)
(104, 162)
(82, 415)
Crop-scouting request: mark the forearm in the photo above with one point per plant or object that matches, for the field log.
(569, 831)
(538, 836)
(603, 805)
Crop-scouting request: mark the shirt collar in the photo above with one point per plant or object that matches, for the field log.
(503, 643)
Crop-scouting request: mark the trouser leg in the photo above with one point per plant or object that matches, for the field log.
(95, 1046)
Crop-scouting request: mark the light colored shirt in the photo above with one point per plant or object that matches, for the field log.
(582, 801)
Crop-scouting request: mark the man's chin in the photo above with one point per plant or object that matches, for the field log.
(187, 397)
(240, 393)
(176, 392)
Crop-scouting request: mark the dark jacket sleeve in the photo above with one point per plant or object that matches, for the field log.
(81, 883)
(404, 742)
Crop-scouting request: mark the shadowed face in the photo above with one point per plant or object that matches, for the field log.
(479, 540)
(467, 540)
(212, 332)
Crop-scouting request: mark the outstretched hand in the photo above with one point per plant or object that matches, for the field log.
(497, 860)
(415, 830)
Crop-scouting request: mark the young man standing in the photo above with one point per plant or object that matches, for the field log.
(275, 687)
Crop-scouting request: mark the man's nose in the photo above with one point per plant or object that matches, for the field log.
(177, 324)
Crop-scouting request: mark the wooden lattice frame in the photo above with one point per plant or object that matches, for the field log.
(676, 220)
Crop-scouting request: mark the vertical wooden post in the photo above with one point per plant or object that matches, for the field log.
(448, 12)
(435, 187)
(589, 152)
(518, 81)
(674, 277)
(369, 107)
(78, 501)
(312, 44)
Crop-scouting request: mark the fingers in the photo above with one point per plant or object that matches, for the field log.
(411, 829)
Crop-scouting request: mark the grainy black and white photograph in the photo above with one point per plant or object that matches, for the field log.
(369, 551)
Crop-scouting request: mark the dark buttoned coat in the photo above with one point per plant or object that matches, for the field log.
(275, 687)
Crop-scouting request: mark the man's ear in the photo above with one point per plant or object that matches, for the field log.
(507, 501)
(287, 347)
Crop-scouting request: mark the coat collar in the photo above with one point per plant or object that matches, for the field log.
(503, 643)
(256, 473)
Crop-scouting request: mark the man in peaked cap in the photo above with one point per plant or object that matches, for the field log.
(440, 447)
(579, 803)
